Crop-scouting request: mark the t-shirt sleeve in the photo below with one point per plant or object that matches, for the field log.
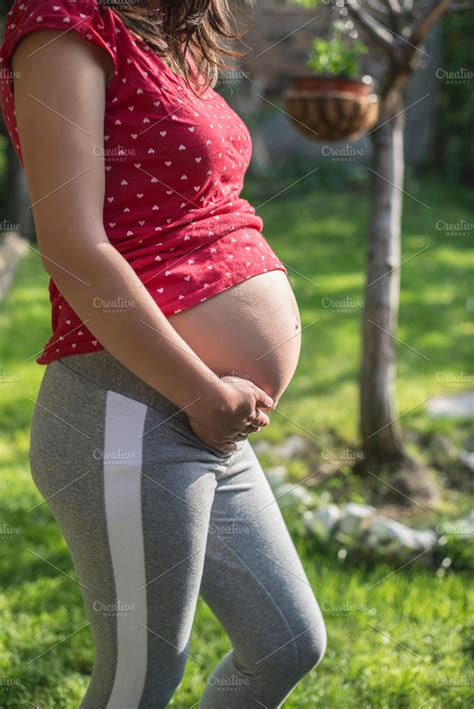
(84, 17)
(90, 21)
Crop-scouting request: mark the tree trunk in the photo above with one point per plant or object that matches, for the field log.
(380, 429)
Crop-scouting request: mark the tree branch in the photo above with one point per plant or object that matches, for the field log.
(395, 10)
(394, 6)
(377, 7)
(426, 22)
(380, 35)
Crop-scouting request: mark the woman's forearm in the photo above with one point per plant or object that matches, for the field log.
(136, 333)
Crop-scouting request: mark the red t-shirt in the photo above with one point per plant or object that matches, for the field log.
(174, 166)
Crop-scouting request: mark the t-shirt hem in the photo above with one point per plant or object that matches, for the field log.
(168, 310)
(214, 289)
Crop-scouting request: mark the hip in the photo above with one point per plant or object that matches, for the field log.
(90, 405)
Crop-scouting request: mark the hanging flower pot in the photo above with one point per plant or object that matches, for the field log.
(332, 108)
(333, 104)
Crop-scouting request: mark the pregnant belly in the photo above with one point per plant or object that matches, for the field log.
(251, 330)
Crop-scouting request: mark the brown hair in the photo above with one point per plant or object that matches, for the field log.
(197, 27)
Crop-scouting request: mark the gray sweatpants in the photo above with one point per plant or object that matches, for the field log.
(152, 517)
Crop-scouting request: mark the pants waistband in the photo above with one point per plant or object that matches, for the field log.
(105, 371)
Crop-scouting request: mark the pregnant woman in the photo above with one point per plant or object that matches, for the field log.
(174, 333)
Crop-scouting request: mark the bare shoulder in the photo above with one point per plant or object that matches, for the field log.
(58, 49)
(60, 99)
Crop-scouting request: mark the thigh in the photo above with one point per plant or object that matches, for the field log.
(253, 578)
(132, 494)
(178, 487)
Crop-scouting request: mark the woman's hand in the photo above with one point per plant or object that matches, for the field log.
(229, 413)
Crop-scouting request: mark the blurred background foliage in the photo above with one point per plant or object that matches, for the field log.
(454, 146)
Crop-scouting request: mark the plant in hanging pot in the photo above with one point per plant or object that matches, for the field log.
(335, 64)
(334, 102)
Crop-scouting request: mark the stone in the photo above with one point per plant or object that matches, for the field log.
(290, 495)
(354, 517)
(388, 535)
(276, 475)
(469, 519)
(469, 443)
(452, 406)
(467, 459)
(294, 446)
(323, 520)
(261, 446)
(463, 527)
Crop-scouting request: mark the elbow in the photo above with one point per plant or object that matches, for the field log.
(63, 256)
(57, 250)
(58, 264)
(49, 265)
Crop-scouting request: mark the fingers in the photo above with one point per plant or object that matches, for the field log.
(254, 426)
(228, 447)
(259, 419)
(263, 400)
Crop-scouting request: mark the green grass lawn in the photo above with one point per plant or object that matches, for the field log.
(395, 639)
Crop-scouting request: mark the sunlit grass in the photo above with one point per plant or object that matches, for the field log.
(402, 643)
